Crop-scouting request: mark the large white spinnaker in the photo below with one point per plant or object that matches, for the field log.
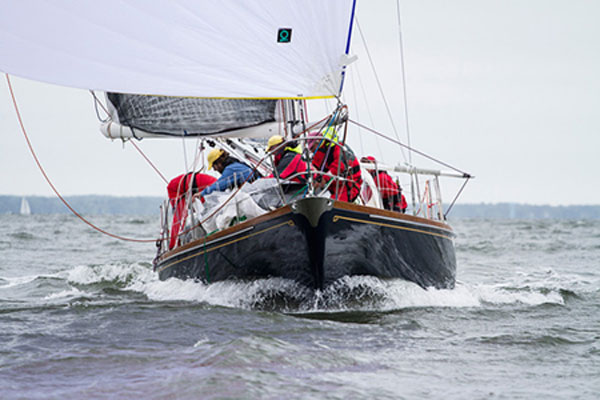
(197, 48)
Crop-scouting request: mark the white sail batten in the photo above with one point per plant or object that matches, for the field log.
(192, 48)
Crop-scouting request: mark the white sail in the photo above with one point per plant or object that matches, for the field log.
(25, 209)
(202, 48)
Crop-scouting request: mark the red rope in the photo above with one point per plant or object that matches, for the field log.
(37, 161)
(148, 160)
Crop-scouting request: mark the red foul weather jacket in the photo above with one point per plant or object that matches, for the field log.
(390, 193)
(177, 190)
(342, 163)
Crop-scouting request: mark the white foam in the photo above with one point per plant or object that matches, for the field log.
(109, 272)
(65, 294)
(400, 294)
(404, 294)
(204, 340)
(225, 293)
(366, 293)
(19, 280)
(391, 295)
(499, 295)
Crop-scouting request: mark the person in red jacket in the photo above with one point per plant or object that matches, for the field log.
(337, 160)
(177, 190)
(391, 193)
(288, 163)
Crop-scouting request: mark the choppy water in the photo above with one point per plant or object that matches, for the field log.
(84, 316)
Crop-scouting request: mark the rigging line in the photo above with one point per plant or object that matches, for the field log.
(465, 174)
(364, 93)
(198, 154)
(37, 161)
(283, 118)
(456, 197)
(387, 107)
(190, 177)
(403, 70)
(148, 160)
(185, 160)
(96, 102)
(305, 111)
(336, 114)
(255, 169)
(353, 79)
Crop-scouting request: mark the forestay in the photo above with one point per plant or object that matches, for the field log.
(197, 48)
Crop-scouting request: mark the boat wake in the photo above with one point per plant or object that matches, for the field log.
(124, 282)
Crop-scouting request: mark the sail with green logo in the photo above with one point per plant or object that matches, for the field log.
(182, 67)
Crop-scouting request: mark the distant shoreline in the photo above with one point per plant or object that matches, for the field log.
(84, 204)
(149, 205)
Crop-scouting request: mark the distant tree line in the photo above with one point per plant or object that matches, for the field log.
(524, 211)
(143, 205)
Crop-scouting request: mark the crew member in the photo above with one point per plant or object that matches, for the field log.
(338, 160)
(391, 193)
(233, 172)
(177, 190)
(287, 161)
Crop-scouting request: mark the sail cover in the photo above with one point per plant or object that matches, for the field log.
(177, 116)
(196, 48)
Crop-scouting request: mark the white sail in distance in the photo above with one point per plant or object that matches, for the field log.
(192, 48)
(25, 209)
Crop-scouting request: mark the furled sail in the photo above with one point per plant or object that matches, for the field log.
(197, 48)
(179, 116)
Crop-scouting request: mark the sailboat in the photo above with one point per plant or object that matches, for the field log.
(233, 74)
(25, 209)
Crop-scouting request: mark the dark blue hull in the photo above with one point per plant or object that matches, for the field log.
(315, 242)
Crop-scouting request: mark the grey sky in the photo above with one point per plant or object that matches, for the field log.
(507, 90)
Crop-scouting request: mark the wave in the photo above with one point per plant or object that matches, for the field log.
(120, 274)
(361, 293)
(9, 282)
(533, 339)
(23, 236)
(68, 294)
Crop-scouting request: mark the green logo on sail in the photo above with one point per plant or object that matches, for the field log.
(284, 35)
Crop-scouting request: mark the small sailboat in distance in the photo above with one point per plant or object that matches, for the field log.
(25, 208)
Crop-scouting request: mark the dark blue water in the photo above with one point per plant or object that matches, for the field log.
(84, 316)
